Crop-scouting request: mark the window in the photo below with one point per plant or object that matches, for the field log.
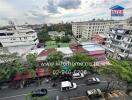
(129, 46)
(25, 37)
(2, 34)
(12, 39)
(33, 36)
(118, 37)
(10, 33)
(122, 50)
(128, 39)
(126, 45)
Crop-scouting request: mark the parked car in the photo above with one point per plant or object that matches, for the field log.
(92, 80)
(65, 77)
(67, 85)
(94, 93)
(39, 92)
(77, 75)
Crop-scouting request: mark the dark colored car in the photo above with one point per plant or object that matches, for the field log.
(39, 92)
(66, 78)
(92, 80)
(94, 94)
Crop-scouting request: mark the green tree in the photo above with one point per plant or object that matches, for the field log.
(57, 39)
(43, 36)
(65, 39)
(31, 60)
(85, 60)
(119, 69)
(9, 64)
(55, 57)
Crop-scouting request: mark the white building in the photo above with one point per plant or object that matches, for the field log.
(54, 34)
(19, 39)
(120, 44)
(89, 28)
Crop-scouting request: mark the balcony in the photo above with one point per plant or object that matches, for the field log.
(128, 42)
(117, 40)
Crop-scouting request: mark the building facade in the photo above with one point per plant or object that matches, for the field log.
(120, 44)
(19, 39)
(89, 28)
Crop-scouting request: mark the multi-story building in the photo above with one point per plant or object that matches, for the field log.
(89, 28)
(129, 21)
(18, 39)
(120, 44)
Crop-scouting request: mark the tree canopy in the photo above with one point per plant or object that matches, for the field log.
(55, 57)
(11, 65)
(43, 33)
(31, 60)
(86, 60)
(121, 68)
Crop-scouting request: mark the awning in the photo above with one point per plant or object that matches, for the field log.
(27, 76)
(47, 72)
(42, 72)
(17, 77)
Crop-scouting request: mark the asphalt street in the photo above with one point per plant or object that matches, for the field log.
(19, 94)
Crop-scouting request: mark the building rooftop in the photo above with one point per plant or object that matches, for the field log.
(104, 35)
(65, 50)
(116, 7)
(89, 46)
(93, 48)
(37, 51)
(92, 21)
(46, 52)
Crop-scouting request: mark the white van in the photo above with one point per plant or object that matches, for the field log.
(67, 85)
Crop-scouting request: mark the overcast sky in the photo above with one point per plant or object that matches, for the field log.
(54, 11)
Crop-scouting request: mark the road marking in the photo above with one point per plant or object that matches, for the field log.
(53, 90)
(12, 96)
(81, 84)
(78, 97)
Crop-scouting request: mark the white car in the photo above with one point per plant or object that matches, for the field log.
(94, 93)
(77, 75)
(67, 85)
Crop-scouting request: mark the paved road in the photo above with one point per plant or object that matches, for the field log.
(19, 94)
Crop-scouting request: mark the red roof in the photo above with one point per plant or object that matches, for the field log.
(46, 52)
(77, 49)
(98, 39)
